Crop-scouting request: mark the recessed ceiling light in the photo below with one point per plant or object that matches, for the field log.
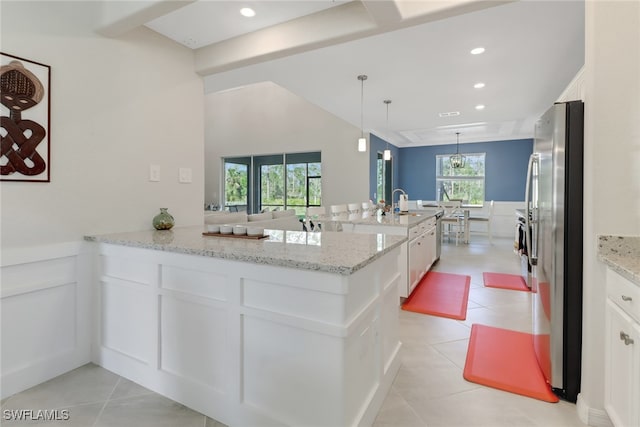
(480, 107)
(248, 12)
(477, 51)
(478, 85)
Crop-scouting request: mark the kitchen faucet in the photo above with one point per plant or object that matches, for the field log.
(394, 192)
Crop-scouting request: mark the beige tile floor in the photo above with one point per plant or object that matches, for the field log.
(428, 391)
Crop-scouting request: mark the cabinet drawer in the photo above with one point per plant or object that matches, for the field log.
(624, 293)
(431, 222)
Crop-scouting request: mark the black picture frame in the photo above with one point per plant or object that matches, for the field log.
(25, 93)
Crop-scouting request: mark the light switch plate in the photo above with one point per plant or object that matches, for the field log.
(184, 175)
(154, 173)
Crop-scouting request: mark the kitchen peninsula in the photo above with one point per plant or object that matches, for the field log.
(422, 248)
(294, 329)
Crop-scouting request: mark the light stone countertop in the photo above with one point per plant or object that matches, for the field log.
(622, 254)
(396, 220)
(332, 252)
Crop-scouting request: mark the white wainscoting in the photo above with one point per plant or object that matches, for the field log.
(45, 300)
(504, 219)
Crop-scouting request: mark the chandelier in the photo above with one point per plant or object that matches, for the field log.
(457, 160)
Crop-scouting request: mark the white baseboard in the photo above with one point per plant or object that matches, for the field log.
(45, 301)
(592, 416)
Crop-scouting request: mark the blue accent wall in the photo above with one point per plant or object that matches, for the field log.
(415, 167)
(378, 145)
(505, 169)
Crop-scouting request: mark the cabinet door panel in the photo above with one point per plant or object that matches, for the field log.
(622, 371)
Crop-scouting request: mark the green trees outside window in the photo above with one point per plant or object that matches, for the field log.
(466, 183)
(283, 181)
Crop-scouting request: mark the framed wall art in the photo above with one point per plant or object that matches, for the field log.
(24, 123)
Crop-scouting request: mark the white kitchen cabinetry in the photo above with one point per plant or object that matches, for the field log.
(416, 256)
(250, 343)
(622, 354)
(422, 250)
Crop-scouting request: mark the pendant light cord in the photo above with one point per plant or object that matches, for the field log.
(387, 101)
(361, 106)
(362, 78)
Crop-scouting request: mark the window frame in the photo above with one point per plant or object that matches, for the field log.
(440, 178)
(254, 181)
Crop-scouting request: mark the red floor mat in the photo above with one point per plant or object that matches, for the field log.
(440, 294)
(505, 281)
(505, 360)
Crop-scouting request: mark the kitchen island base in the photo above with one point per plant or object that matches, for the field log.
(250, 344)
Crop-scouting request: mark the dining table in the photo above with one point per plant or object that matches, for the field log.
(466, 212)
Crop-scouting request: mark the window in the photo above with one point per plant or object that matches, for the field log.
(384, 170)
(236, 180)
(270, 182)
(303, 186)
(466, 184)
(281, 181)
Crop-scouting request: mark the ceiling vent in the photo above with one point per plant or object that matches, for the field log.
(450, 114)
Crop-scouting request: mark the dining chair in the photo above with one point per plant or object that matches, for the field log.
(452, 220)
(339, 212)
(368, 209)
(314, 217)
(484, 220)
(354, 208)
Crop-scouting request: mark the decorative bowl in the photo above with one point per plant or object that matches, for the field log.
(255, 231)
(240, 230)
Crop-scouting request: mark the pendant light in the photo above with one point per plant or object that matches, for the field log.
(362, 141)
(387, 152)
(457, 160)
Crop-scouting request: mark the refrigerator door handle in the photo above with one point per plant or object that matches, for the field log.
(533, 258)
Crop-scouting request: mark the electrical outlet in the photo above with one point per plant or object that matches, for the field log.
(184, 175)
(154, 173)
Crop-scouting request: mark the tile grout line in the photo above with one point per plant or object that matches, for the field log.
(107, 401)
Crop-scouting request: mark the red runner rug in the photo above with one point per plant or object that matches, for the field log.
(505, 281)
(440, 294)
(505, 360)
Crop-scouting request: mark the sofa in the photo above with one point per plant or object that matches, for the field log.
(274, 220)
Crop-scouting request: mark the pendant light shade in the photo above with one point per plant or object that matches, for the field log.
(362, 141)
(362, 144)
(457, 160)
(387, 152)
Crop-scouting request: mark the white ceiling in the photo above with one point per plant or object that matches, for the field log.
(533, 50)
(208, 21)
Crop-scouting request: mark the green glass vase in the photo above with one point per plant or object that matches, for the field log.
(164, 220)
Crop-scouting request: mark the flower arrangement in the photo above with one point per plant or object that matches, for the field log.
(383, 207)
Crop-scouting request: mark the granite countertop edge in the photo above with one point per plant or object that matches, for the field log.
(264, 259)
(413, 218)
(622, 254)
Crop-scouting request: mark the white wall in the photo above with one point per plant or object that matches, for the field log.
(265, 118)
(117, 106)
(612, 167)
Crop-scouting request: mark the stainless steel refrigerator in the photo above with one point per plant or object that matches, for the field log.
(554, 244)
